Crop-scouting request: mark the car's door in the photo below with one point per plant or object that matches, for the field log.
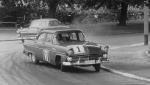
(47, 51)
(39, 46)
(52, 48)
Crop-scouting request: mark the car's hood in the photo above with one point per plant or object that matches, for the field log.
(83, 48)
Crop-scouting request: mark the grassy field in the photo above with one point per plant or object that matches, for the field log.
(111, 28)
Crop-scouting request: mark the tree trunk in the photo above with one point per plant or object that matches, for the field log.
(52, 9)
(123, 15)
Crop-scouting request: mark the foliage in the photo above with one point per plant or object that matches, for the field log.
(96, 16)
(73, 11)
(105, 14)
(135, 13)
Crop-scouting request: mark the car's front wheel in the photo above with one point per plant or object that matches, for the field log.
(33, 58)
(63, 67)
(97, 67)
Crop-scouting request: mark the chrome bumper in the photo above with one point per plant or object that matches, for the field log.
(81, 63)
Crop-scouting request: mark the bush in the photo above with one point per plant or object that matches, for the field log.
(135, 13)
(96, 16)
(107, 15)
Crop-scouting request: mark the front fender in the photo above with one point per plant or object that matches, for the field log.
(63, 56)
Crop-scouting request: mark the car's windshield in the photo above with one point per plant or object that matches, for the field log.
(71, 36)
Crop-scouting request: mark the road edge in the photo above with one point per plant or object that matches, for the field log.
(125, 74)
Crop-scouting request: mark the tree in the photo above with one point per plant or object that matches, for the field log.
(123, 15)
(120, 5)
(124, 9)
(96, 4)
(84, 4)
(52, 4)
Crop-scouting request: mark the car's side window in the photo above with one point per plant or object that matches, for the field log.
(50, 23)
(81, 37)
(54, 39)
(56, 23)
(42, 37)
(57, 39)
(73, 36)
(49, 38)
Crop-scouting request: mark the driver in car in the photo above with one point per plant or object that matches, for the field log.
(59, 38)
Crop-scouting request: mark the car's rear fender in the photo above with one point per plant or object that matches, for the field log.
(28, 52)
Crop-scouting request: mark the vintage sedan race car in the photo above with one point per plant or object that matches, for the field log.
(67, 47)
(37, 25)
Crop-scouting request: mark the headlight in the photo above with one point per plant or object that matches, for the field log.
(105, 55)
(106, 48)
(70, 52)
(72, 59)
(69, 59)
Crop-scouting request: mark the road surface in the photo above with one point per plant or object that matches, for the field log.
(17, 69)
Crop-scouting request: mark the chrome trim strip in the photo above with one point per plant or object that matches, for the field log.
(57, 52)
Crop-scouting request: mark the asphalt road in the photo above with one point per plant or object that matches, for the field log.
(110, 40)
(17, 69)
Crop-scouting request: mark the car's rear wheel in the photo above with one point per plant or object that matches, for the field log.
(97, 67)
(33, 58)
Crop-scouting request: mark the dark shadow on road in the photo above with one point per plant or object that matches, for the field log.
(69, 69)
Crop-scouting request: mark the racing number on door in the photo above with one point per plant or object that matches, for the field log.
(79, 49)
(46, 55)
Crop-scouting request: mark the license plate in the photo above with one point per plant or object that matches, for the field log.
(82, 61)
(90, 62)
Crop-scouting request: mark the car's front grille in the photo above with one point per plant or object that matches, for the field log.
(94, 50)
(83, 58)
(93, 57)
(89, 57)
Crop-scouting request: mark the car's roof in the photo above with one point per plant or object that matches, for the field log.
(57, 27)
(45, 19)
(61, 30)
